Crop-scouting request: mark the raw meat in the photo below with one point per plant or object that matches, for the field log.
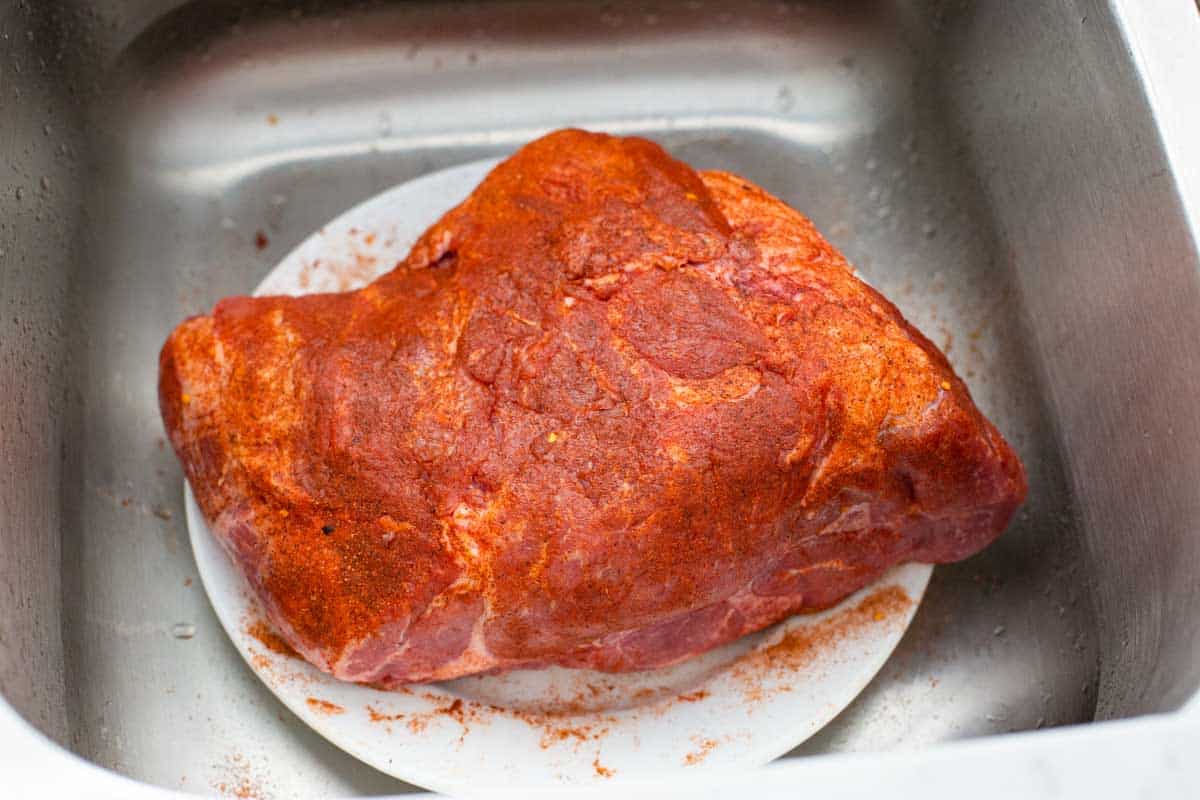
(610, 412)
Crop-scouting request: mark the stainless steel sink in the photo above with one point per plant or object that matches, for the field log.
(995, 169)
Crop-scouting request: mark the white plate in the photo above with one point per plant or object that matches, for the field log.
(743, 704)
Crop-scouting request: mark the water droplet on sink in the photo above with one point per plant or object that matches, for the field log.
(183, 630)
(385, 124)
(929, 229)
(20, 193)
(227, 224)
(45, 183)
(278, 199)
(871, 164)
(784, 99)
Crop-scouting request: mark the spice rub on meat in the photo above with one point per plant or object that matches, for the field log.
(610, 412)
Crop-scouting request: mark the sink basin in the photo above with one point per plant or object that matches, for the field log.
(1000, 173)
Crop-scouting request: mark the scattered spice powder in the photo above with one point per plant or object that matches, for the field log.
(801, 646)
(705, 746)
(454, 711)
(601, 770)
(356, 273)
(552, 735)
(553, 728)
(324, 706)
(464, 713)
(240, 782)
(260, 240)
(266, 635)
(243, 790)
(377, 716)
(470, 712)
(644, 696)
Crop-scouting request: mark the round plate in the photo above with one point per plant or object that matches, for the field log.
(742, 704)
